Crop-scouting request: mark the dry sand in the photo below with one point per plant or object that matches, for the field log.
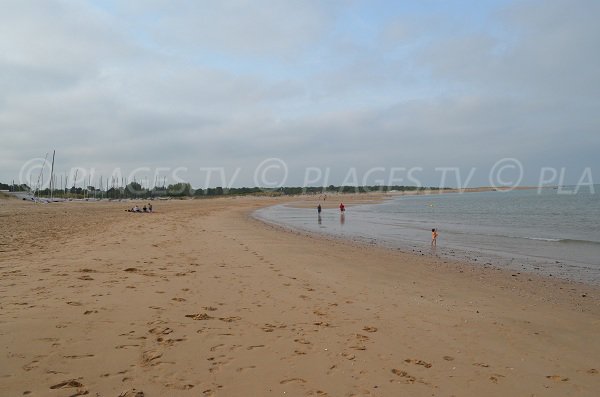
(199, 299)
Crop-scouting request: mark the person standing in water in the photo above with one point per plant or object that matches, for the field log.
(434, 235)
(319, 209)
(342, 208)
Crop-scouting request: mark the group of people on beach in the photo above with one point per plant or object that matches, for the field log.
(320, 209)
(146, 208)
(434, 232)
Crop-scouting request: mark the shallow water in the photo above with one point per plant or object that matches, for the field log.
(544, 232)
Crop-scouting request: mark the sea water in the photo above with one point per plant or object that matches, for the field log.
(555, 232)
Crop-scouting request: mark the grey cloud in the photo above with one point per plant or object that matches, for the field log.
(256, 28)
(107, 94)
(544, 48)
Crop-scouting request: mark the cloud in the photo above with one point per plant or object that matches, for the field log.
(239, 27)
(539, 49)
(336, 84)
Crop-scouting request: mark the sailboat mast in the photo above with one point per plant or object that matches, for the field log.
(40, 177)
(52, 176)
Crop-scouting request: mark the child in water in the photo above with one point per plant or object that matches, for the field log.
(434, 235)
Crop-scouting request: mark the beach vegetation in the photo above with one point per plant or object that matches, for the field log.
(134, 190)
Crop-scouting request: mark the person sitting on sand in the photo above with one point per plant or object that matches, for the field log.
(149, 207)
(135, 208)
(434, 235)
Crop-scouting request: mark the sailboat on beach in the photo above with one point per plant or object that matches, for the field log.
(34, 195)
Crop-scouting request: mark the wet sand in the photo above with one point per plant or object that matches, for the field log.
(200, 299)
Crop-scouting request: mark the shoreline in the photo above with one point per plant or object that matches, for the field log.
(577, 288)
(200, 298)
(515, 262)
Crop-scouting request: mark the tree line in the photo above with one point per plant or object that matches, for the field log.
(135, 190)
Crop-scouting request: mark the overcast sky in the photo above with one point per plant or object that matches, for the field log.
(336, 85)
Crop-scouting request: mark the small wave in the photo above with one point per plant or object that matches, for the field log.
(560, 240)
(574, 241)
(544, 239)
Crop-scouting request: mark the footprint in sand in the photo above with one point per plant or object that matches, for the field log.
(370, 329)
(199, 316)
(417, 362)
(75, 356)
(169, 342)
(125, 346)
(211, 392)
(149, 358)
(71, 383)
(132, 393)
(187, 386)
(495, 378)
(403, 374)
(217, 365)
(230, 319)
(295, 380)
(362, 338)
(28, 367)
(272, 327)
(557, 378)
(242, 369)
(254, 347)
(215, 347)
(161, 331)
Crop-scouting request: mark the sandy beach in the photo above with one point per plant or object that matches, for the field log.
(200, 299)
